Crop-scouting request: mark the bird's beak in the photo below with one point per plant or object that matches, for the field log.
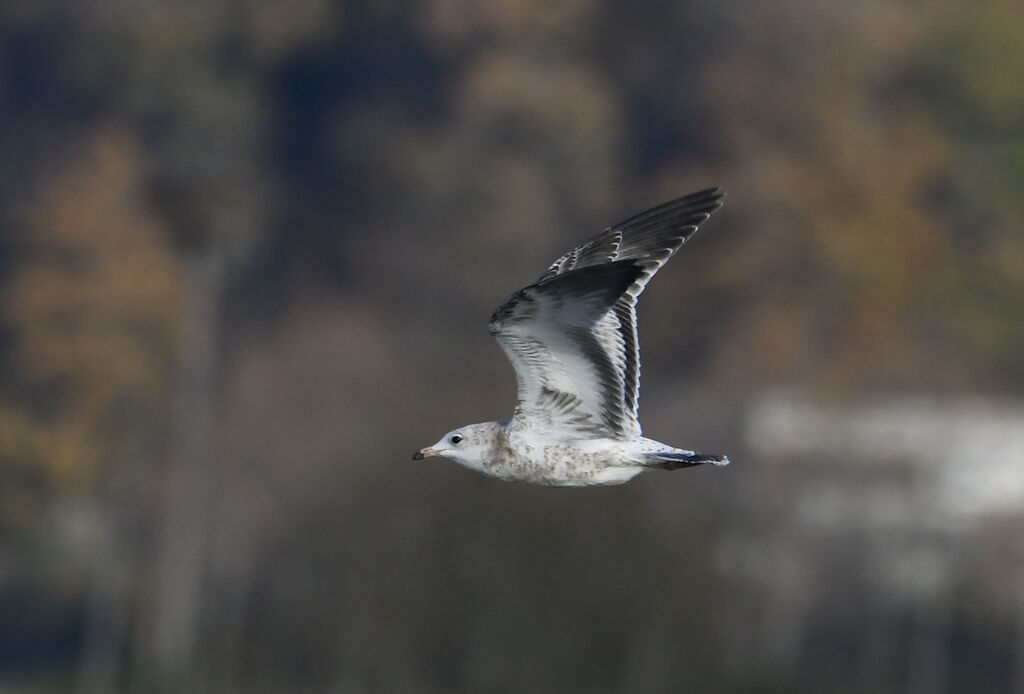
(423, 453)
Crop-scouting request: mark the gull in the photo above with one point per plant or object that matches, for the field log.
(572, 339)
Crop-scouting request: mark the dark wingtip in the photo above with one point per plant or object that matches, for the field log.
(690, 209)
(418, 455)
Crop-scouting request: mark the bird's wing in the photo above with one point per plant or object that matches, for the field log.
(567, 347)
(572, 337)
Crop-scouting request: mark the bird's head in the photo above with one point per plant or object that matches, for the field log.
(472, 446)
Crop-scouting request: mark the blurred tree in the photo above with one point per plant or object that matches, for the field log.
(94, 311)
(198, 105)
(95, 308)
(963, 84)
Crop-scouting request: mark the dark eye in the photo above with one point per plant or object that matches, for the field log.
(456, 439)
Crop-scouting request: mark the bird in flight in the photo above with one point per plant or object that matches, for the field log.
(571, 337)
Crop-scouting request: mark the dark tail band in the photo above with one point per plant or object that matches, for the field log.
(674, 461)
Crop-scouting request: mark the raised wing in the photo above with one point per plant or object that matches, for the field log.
(568, 358)
(556, 364)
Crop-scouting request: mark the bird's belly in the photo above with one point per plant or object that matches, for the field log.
(561, 464)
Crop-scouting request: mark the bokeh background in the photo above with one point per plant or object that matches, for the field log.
(248, 249)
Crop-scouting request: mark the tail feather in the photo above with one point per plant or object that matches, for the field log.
(673, 460)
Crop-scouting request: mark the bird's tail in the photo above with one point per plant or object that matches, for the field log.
(675, 459)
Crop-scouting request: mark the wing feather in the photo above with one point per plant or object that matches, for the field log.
(558, 336)
(572, 336)
(650, 238)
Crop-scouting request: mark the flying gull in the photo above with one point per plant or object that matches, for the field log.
(571, 337)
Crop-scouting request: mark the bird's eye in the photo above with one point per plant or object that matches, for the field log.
(456, 439)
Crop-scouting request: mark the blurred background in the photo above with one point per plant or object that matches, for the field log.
(248, 250)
